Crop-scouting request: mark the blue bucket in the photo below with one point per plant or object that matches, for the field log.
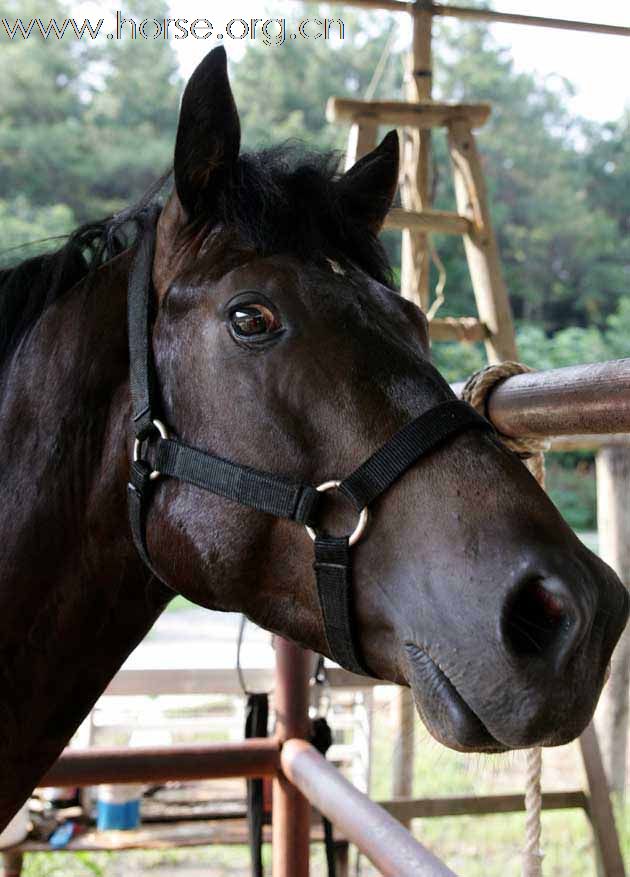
(118, 808)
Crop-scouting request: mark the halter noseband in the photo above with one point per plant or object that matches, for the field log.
(273, 494)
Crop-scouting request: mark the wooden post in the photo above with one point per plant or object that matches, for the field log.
(600, 809)
(291, 810)
(482, 252)
(13, 864)
(613, 523)
(404, 711)
(361, 140)
(416, 152)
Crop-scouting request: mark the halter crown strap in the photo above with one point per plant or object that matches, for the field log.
(273, 494)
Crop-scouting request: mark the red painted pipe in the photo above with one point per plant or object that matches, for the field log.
(251, 758)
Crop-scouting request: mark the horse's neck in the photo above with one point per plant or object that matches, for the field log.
(74, 597)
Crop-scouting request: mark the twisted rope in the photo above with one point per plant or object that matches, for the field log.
(532, 451)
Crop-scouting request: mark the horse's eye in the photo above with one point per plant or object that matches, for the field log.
(249, 321)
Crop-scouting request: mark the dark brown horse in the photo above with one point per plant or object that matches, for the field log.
(278, 343)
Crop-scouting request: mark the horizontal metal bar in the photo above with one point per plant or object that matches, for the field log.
(251, 758)
(467, 13)
(391, 849)
(437, 221)
(406, 809)
(416, 115)
(577, 400)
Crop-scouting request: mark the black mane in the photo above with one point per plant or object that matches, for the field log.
(280, 200)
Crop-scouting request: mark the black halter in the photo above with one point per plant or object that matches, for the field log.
(273, 494)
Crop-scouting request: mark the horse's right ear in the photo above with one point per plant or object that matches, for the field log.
(208, 135)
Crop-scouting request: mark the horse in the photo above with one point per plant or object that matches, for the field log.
(277, 342)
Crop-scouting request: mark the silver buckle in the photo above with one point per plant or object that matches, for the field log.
(363, 516)
(137, 446)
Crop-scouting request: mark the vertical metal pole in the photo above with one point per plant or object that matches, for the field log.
(291, 810)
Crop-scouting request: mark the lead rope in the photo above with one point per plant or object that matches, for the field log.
(532, 451)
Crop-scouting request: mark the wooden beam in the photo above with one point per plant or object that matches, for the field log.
(482, 251)
(427, 808)
(415, 267)
(400, 113)
(468, 329)
(438, 221)
(466, 13)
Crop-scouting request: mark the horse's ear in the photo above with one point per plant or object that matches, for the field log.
(368, 188)
(208, 134)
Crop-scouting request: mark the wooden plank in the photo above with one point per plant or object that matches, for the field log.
(415, 269)
(601, 812)
(482, 252)
(428, 808)
(438, 221)
(228, 832)
(468, 329)
(613, 527)
(361, 140)
(421, 115)
(221, 681)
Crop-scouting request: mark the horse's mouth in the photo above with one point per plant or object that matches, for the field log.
(442, 708)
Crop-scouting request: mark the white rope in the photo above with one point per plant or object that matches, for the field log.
(532, 451)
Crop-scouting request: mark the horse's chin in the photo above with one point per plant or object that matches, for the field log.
(443, 710)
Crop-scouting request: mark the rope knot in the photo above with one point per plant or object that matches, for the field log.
(531, 450)
(476, 392)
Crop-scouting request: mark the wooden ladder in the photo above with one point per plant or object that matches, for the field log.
(494, 324)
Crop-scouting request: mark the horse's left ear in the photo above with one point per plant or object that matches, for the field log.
(368, 188)
(208, 134)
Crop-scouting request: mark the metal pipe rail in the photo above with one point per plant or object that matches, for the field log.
(577, 400)
(257, 757)
(467, 13)
(390, 847)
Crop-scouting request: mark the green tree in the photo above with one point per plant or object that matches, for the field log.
(88, 124)
(281, 91)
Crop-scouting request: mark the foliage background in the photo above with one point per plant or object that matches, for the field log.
(86, 126)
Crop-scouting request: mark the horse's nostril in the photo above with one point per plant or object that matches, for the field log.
(542, 620)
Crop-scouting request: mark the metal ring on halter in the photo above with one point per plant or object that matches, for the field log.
(363, 516)
(137, 446)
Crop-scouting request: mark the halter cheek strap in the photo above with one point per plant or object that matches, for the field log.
(272, 494)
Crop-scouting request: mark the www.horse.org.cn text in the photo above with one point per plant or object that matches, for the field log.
(268, 31)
